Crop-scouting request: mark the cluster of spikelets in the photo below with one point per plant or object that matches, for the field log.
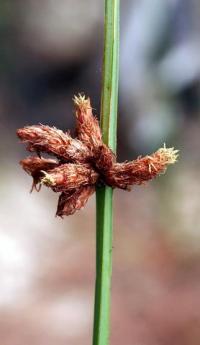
(83, 162)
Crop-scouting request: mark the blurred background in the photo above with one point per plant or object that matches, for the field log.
(49, 51)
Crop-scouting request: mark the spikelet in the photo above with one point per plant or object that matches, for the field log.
(89, 132)
(87, 126)
(70, 176)
(136, 172)
(71, 201)
(51, 140)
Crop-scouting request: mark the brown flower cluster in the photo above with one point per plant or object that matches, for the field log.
(83, 162)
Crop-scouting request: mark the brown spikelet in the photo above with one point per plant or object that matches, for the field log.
(73, 200)
(42, 138)
(87, 126)
(34, 165)
(70, 176)
(124, 175)
(89, 132)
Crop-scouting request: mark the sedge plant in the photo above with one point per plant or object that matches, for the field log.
(87, 163)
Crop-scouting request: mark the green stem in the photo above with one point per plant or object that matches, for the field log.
(104, 195)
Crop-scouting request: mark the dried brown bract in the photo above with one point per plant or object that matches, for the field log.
(84, 162)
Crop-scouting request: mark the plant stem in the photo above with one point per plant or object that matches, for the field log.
(104, 195)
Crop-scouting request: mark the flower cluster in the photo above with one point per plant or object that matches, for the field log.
(83, 162)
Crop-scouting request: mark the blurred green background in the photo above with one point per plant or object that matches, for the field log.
(51, 50)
